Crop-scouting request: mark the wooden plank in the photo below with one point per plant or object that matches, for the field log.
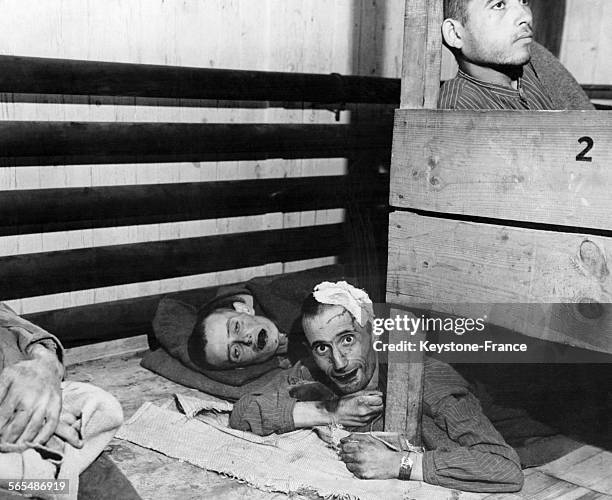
(53, 272)
(45, 210)
(67, 143)
(422, 54)
(560, 466)
(101, 350)
(598, 91)
(519, 166)
(403, 408)
(421, 67)
(34, 75)
(590, 472)
(553, 286)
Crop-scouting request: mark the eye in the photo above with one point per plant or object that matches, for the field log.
(348, 340)
(236, 327)
(235, 352)
(499, 5)
(321, 349)
(525, 2)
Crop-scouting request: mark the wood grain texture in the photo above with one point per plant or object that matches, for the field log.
(50, 143)
(53, 272)
(101, 350)
(519, 166)
(403, 408)
(553, 286)
(47, 210)
(422, 54)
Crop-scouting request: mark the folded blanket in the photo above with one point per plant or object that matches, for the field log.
(290, 463)
(99, 414)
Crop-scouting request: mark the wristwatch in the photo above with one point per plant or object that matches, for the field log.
(405, 467)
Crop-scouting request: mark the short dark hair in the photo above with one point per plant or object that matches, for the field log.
(311, 307)
(197, 340)
(456, 9)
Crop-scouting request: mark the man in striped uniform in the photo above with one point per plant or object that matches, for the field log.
(342, 383)
(500, 66)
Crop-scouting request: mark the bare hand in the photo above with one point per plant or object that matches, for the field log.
(368, 458)
(358, 409)
(30, 402)
(69, 427)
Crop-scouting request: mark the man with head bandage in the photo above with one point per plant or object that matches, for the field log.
(342, 384)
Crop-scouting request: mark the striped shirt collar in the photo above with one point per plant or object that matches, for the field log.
(494, 87)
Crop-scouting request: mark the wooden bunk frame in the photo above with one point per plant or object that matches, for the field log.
(501, 207)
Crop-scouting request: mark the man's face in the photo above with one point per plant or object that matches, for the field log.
(341, 348)
(498, 32)
(236, 337)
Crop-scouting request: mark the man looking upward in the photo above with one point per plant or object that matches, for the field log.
(464, 451)
(500, 66)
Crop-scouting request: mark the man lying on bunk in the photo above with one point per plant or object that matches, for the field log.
(48, 428)
(464, 449)
(239, 340)
(500, 66)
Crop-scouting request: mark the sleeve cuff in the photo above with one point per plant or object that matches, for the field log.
(287, 423)
(52, 344)
(429, 468)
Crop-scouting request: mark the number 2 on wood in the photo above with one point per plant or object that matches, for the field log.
(582, 156)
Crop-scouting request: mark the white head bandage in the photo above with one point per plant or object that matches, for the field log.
(343, 294)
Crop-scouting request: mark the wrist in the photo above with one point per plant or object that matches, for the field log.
(405, 466)
(48, 359)
(310, 413)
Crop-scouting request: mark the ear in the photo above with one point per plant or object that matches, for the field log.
(452, 32)
(241, 307)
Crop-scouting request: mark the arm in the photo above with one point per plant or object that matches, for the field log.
(484, 462)
(278, 408)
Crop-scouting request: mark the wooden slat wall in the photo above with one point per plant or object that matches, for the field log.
(315, 36)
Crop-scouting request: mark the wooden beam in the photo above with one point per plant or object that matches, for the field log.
(102, 350)
(598, 91)
(30, 275)
(34, 75)
(551, 285)
(44, 210)
(422, 54)
(543, 167)
(421, 66)
(51, 143)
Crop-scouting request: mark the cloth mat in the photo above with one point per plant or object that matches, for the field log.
(296, 462)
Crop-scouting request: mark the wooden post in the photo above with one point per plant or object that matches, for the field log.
(420, 88)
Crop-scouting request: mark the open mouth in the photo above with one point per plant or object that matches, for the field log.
(346, 377)
(262, 339)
